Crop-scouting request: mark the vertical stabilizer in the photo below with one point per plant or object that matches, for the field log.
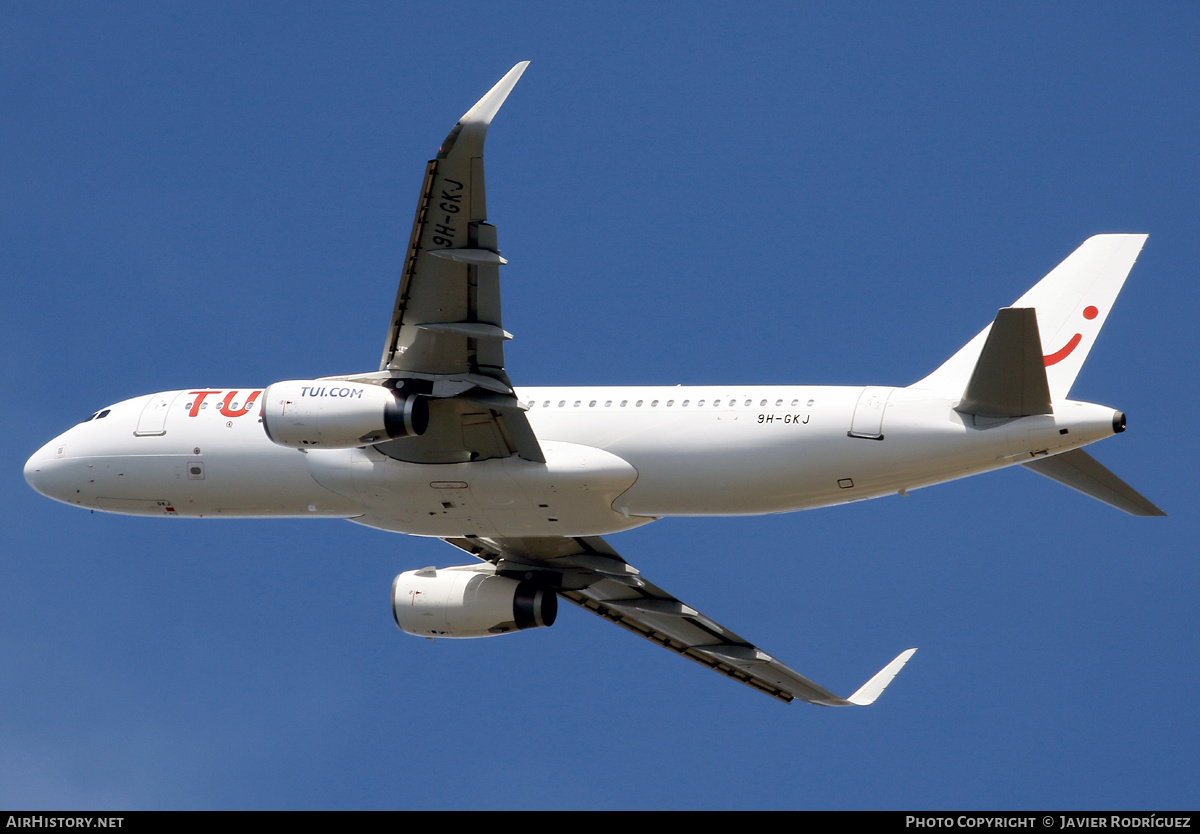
(1072, 304)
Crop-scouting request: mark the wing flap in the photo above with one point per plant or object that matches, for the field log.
(451, 270)
(589, 573)
(446, 337)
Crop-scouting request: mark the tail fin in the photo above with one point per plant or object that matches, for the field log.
(1072, 303)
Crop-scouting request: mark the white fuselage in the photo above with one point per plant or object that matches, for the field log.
(615, 458)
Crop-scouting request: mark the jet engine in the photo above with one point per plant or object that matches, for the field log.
(469, 601)
(329, 414)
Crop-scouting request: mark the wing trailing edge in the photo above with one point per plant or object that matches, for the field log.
(585, 570)
(446, 334)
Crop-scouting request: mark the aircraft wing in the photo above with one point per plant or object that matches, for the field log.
(446, 338)
(589, 573)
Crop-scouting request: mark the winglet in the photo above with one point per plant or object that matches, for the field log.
(869, 691)
(468, 135)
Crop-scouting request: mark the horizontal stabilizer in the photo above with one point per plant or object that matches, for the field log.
(1009, 379)
(1080, 471)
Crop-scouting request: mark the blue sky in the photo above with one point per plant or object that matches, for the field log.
(220, 195)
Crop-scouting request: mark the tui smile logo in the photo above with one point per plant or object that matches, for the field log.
(1089, 313)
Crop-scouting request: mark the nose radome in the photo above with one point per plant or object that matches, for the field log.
(48, 474)
(34, 468)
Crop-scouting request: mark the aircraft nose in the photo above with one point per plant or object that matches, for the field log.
(33, 470)
(51, 473)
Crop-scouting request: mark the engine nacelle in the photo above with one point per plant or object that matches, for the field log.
(469, 601)
(328, 414)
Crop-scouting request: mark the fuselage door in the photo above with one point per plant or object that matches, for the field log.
(868, 413)
(153, 421)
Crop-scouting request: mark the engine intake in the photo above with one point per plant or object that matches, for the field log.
(469, 601)
(328, 414)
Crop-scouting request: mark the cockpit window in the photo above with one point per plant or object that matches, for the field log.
(103, 414)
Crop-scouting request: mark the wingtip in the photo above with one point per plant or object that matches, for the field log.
(486, 108)
(467, 136)
(869, 691)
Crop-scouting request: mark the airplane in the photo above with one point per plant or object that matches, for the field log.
(438, 442)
